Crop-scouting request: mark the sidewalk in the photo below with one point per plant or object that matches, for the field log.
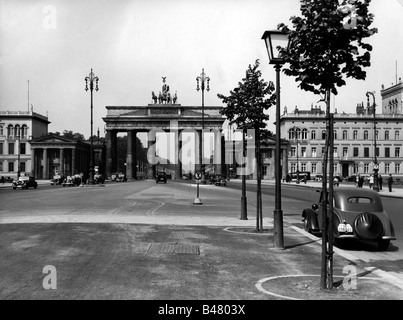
(397, 190)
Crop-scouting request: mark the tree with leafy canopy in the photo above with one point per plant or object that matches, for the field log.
(246, 106)
(327, 45)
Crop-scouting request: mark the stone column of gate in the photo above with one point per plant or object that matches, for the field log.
(129, 156)
(45, 164)
(151, 155)
(135, 154)
(110, 138)
(178, 143)
(217, 152)
(199, 149)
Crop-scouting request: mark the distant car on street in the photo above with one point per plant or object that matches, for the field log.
(72, 181)
(218, 181)
(161, 176)
(25, 183)
(357, 213)
(56, 180)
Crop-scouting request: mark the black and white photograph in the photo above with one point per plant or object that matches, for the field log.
(202, 159)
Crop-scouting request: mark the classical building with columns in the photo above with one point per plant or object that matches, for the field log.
(157, 118)
(17, 128)
(53, 154)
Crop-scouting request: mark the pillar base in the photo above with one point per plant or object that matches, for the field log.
(197, 201)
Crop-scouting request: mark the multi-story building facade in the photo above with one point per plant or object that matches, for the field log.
(354, 137)
(17, 128)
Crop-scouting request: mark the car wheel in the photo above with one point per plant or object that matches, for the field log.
(14, 188)
(383, 244)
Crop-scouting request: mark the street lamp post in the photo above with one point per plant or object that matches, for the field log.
(90, 80)
(376, 166)
(274, 40)
(204, 84)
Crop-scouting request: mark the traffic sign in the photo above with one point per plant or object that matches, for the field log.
(198, 175)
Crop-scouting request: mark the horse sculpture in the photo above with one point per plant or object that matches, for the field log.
(154, 97)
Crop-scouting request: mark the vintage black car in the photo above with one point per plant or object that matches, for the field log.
(25, 183)
(56, 180)
(72, 181)
(161, 176)
(357, 213)
(218, 181)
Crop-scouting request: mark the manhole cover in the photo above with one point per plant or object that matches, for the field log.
(174, 248)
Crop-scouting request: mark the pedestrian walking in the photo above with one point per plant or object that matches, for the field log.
(390, 182)
(380, 182)
(371, 181)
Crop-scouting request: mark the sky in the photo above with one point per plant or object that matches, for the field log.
(47, 48)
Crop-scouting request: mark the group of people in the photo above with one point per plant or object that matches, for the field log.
(360, 181)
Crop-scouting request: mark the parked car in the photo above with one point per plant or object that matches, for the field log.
(218, 181)
(161, 176)
(25, 183)
(56, 180)
(72, 181)
(357, 213)
(98, 178)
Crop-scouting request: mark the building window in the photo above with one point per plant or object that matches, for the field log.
(344, 134)
(366, 152)
(323, 135)
(397, 168)
(366, 168)
(1, 165)
(314, 152)
(397, 152)
(366, 135)
(387, 152)
(356, 153)
(24, 132)
(345, 151)
(293, 167)
(1, 131)
(17, 131)
(355, 134)
(304, 134)
(313, 135)
(293, 151)
(10, 131)
(377, 151)
(313, 168)
(1, 148)
(335, 152)
(303, 167)
(11, 148)
(397, 135)
(335, 168)
(355, 168)
(23, 148)
(265, 170)
(386, 135)
(22, 167)
(303, 152)
(11, 167)
(387, 167)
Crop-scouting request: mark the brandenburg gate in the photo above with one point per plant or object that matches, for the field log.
(162, 115)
